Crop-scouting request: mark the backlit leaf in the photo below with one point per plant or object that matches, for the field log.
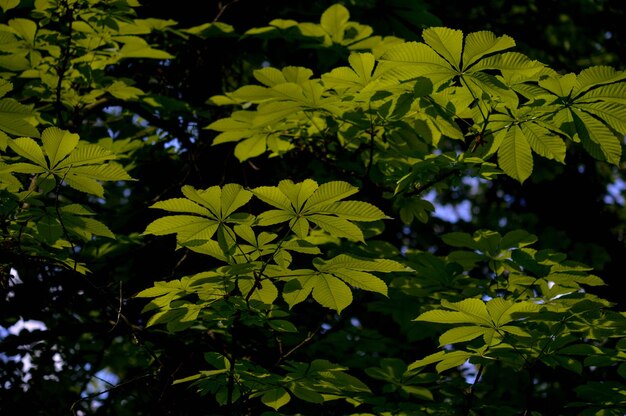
(461, 334)
(276, 398)
(58, 144)
(29, 149)
(514, 155)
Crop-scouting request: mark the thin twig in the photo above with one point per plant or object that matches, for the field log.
(418, 190)
(471, 394)
(119, 309)
(94, 395)
(222, 9)
(58, 212)
(297, 347)
(65, 60)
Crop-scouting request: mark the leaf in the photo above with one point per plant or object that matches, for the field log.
(86, 227)
(136, 47)
(297, 193)
(334, 21)
(15, 118)
(276, 398)
(327, 290)
(29, 149)
(445, 360)
(358, 75)
(458, 239)
(273, 196)
(354, 211)
(86, 154)
(596, 76)
(102, 172)
(362, 280)
(448, 317)
(411, 60)
(266, 292)
(123, 91)
(297, 289)
(461, 334)
(504, 311)
(186, 227)
(181, 205)
(480, 44)
(84, 184)
(330, 192)
(344, 261)
(331, 292)
(251, 147)
(336, 227)
(597, 139)
(446, 42)
(269, 76)
(514, 155)
(24, 28)
(466, 311)
(282, 325)
(8, 4)
(58, 144)
(273, 216)
(233, 197)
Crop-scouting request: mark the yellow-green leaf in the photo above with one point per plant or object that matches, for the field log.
(276, 398)
(29, 149)
(8, 4)
(58, 144)
(461, 334)
(334, 21)
(514, 155)
(447, 42)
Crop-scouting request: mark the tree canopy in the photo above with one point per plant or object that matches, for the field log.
(356, 208)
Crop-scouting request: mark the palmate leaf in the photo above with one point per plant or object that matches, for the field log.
(518, 134)
(305, 202)
(210, 210)
(326, 289)
(355, 77)
(334, 274)
(81, 166)
(58, 143)
(334, 21)
(489, 319)
(588, 108)
(445, 56)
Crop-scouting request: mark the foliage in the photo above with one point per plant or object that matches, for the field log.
(291, 283)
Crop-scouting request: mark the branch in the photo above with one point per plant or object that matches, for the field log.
(222, 9)
(297, 347)
(65, 61)
(418, 190)
(173, 128)
(94, 395)
(471, 394)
